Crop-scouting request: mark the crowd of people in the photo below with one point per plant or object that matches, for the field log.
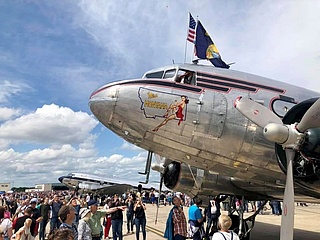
(90, 217)
(177, 227)
(71, 217)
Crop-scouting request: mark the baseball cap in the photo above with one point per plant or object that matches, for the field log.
(92, 202)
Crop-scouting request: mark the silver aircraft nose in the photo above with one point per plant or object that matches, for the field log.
(102, 102)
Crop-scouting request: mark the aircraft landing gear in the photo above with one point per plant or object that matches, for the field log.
(148, 166)
(242, 226)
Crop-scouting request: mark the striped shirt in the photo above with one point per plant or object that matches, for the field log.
(72, 227)
(179, 222)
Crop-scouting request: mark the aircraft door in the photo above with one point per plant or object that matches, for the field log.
(211, 115)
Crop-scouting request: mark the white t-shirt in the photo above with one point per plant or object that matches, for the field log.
(213, 206)
(225, 236)
(5, 225)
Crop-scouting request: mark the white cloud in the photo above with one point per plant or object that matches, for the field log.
(50, 124)
(9, 89)
(48, 164)
(131, 147)
(8, 113)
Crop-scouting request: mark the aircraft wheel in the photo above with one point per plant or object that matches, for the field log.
(235, 226)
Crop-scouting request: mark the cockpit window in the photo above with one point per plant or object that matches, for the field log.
(155, 74)
(170, 73)
(185, 76)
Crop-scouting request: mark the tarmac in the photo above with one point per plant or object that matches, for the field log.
(267, 226)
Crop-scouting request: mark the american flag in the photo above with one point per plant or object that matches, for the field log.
(192, 29)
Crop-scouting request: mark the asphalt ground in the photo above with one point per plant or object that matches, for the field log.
(267, 226)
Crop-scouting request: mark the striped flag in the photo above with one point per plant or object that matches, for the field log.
(192, 29)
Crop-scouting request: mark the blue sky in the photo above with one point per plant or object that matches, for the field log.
(54, 54)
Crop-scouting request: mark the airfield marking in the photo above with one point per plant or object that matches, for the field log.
(155, 231)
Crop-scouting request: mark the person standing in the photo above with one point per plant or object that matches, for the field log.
(77, 205)
(107, 219)
(36, 214)
(67, 215)
(196, 220)
(5, 224)
(179, 220)
(19, 222)
(117, 218)
(95, 219)
(45, 214)
(84, 230)
(20, 210)
(213, 213)
(140, 218)
(55, 207)
(225, 223)
(129, 204)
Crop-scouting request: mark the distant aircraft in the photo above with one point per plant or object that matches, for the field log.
(92, 182)
(221, 131)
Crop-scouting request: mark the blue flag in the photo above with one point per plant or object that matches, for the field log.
(206, 49)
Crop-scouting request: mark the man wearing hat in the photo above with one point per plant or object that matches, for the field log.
(95, 219)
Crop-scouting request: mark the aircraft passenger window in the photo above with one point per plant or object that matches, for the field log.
(170, 73)
(185, 76)
(155, 74)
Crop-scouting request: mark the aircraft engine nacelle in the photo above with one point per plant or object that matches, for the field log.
(180, 177)
(306, 164)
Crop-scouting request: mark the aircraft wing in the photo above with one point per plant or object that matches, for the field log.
(92, 182)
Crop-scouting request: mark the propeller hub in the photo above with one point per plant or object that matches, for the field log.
(158, 167)
(276, 133)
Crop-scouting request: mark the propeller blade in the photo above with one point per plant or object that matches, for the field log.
(255, 112)
(162, 160)
(287, 218)
(311, 119)
(159, 159)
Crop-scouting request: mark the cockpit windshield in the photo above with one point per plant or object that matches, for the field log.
(177, 75)
(170, 73)
(155, 74)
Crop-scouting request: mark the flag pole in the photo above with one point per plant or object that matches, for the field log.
(186, 46)
(185, 51)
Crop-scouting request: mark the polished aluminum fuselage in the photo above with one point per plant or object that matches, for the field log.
(212, 134)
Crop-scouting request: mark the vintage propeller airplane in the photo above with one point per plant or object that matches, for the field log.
(91, 182)
(221, 131)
